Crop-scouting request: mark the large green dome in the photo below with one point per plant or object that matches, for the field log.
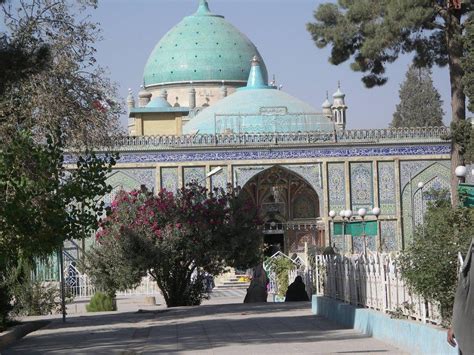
(202, 47)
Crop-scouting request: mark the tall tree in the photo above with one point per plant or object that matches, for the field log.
(71, 92)
(51, 94)
(468, 62)
(376, 32)
(420, 103)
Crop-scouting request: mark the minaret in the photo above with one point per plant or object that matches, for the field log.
(130, 100)
(223, 90)
(144, 97)
(131, 120)
(192, 96)
(164, 94)
(339, 108)
(327, 108)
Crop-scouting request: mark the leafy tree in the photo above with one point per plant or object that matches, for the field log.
(42, 204)
(420, 103)
(51, 94)
(375, 33)
(468, 62)
(178, 238)
(429, 264)
(70, 91)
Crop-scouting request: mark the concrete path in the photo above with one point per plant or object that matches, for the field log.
(271, 328)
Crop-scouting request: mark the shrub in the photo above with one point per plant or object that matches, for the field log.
(101, 302)
(429, 263)
(33, 298)
(281, 266)
(5, 304)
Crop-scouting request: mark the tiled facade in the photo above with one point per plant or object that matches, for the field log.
(342, 177)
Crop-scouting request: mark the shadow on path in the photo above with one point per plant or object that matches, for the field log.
(257, 328)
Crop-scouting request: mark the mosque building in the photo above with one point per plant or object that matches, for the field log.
(207, 112)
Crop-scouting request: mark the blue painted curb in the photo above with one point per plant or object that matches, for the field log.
(414, 337)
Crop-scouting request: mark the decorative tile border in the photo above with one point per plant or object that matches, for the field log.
(275, 154)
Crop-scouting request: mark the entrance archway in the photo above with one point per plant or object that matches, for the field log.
(289, 207)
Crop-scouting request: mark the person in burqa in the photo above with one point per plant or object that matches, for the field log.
(257, 291)
(463, 310)
(296, 291)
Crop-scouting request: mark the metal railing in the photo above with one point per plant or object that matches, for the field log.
(374, 282)
(79, 285)
(359, 136)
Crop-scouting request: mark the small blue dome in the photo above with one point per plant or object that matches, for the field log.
(258, 108)
(158, 102)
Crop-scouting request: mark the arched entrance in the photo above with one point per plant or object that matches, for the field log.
(289, 207)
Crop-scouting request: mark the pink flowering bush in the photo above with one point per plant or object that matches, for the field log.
(177, 238)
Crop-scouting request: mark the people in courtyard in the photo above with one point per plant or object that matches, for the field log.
(462, 332)
(296, 291)
(257, 291)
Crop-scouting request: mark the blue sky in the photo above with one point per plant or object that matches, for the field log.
(131, 28)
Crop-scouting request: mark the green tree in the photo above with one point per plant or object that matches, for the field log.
(51, 95)
(429, 264)
(468, 62)
(179, 238)
(375, 33)
(420, 103)
(71, 91)
(42, 204)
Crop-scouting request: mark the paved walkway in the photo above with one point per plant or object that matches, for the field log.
(271, 328)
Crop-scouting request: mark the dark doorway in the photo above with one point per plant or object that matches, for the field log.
(274, 243)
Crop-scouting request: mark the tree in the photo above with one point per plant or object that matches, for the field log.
(375, 33)
(42, 204)
(429, 264)
(179, 238)
(420, 103)
(70, 91)
(51, 95)
(468, 62)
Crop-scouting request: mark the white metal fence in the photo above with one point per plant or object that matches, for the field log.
(372, 281)
(80, 285)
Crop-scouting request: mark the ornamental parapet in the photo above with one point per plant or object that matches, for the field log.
(347, 137)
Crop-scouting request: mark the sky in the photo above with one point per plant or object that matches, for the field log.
(131, 29)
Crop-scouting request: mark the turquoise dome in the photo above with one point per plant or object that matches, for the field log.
(158, 102)
(203, 47)
(258, 108)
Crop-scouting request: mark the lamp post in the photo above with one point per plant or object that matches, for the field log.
(362, 212)
(420, 187)
(376, 212)
(347, 216)
(342, 214)
(332, 214)
(461, 172)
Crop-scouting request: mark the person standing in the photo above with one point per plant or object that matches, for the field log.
(462, 331)
(296, 291)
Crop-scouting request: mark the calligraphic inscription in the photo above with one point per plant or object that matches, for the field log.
(272, 111)
(271, 208)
